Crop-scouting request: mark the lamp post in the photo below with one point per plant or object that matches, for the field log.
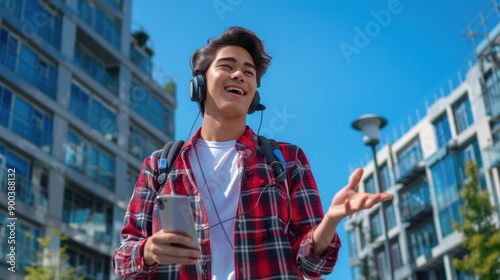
(370, 125)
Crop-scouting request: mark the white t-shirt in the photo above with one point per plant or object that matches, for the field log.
(219, 172)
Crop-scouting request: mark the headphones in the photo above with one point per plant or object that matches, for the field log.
(198, 92)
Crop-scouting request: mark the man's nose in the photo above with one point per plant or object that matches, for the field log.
(237, 75)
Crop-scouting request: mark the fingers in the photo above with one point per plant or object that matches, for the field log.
(355, 179)
(169, 248)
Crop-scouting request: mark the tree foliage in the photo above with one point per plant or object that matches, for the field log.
(480, 236)
(49, 266)
(368, 271)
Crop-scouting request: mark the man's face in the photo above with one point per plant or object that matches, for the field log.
(231, 83)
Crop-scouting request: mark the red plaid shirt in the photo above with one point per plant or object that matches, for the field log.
(263, 250)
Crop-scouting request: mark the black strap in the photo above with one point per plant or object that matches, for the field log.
(274, 157)
(269, 147)
(167, 157)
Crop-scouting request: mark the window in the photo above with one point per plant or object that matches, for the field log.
(493, 93)
(88, 263)
(396, 260)
(37, 18)
(362, 235)
(415, 200)
(89, 160)
(353, 244)
(463, 114)
(103, 24)
(26, 245)
(381, 264)
(423, 240)
(105, 76)
(376, 226)
(370, 184)
(93, 112)
(469, 152)
(152, 109)
(141, 145)
(442, 130)
(390, 216)
(31, 179)
(385, 179)
(32, 124)
(6, 98)
(409, 158)
(88, 214)
(25, 62)
(446, 192)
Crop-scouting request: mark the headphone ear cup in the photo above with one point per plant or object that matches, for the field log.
(255, 105)
(197, 88)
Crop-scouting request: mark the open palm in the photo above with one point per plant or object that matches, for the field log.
(348, 201)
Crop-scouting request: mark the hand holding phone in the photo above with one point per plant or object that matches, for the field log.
(176, 216)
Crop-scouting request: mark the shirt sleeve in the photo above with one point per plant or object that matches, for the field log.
(307, 213)
(128, 260)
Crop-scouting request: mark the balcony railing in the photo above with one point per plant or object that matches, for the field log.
(27, 191)
(98, 20)
(36, 19)
(493, 153)
(96, 71)
(154, 73)
(21, 66)
(410, 166)
(26, 128)
(416, 204)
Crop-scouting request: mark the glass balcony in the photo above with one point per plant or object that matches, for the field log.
(115, 5)
(108, 28)
(410, 165)
(416, 204)
(493, 153)
(31, 192)
(493, 94)
(36, 19)
(27, 128)
(98, 72)
(29, 66)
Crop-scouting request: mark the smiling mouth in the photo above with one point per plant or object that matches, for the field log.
(235, 90)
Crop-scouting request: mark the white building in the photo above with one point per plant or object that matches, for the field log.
(424, 170)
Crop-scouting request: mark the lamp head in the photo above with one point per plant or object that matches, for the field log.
(370, 126)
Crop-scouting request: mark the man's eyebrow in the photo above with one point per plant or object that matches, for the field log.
(232, 59)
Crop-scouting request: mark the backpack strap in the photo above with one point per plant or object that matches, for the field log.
(167, 157)
(274, 157)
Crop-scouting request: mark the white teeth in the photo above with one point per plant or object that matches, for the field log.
(235, 90)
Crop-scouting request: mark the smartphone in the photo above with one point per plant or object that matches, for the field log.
(176, 216)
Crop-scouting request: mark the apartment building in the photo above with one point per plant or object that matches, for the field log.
(425, 168)
(81, 104)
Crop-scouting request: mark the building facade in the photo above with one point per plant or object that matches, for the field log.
(425, 168)
(81, 104)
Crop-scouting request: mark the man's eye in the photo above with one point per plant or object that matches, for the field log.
(249, 73)
(226, 66)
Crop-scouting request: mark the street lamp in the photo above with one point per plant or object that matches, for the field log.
(370, 125)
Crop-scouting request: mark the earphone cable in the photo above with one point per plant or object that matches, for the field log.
(192, 126)
(253, 208)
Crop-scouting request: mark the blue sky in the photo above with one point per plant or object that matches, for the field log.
(332, 62)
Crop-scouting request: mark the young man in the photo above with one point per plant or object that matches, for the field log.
(248, 225)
